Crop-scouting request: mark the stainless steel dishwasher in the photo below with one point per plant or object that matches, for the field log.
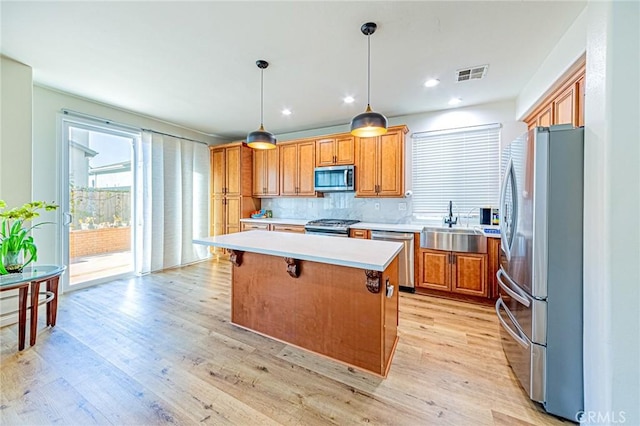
(405, 257)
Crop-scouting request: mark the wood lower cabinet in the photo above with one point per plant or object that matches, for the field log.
(335, 151)
(297, 164)
(364, 234)
(380, 164)
(248, 226)
(288, 228)
(462, 273)
(493, 253)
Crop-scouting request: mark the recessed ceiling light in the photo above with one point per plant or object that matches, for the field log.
(349, 100)
(286, 111)
(432, 82)
(455, 101)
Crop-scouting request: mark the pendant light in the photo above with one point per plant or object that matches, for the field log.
(369, 123)
(261, 139)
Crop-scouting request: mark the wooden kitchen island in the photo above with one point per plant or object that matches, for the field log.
(334, 296)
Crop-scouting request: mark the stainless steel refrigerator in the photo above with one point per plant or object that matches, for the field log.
(540, 274)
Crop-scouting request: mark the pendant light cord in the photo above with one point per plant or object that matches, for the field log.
(261, 97)
(368, 71)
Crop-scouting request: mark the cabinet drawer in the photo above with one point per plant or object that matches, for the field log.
(359, 233)
(288, 228)
(250, 226)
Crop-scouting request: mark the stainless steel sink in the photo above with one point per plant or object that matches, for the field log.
(467, 240)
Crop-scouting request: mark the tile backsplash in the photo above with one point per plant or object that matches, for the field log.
(341, 205)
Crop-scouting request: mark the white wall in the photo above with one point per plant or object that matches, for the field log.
(612, 202)
(496, 112)
(47, 166)
(15, 142)
(567, 51)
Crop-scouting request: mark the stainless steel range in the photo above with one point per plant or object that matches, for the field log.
(332, 227)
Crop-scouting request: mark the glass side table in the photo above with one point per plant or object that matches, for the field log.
(31, 278)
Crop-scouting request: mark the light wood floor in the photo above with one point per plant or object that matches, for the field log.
(160, 350)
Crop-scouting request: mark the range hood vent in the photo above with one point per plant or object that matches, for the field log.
(472, 73)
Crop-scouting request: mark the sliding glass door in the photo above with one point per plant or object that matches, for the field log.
(99, 182)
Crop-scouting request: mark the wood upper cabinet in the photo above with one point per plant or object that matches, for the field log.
(265, 172)
(565, 105)
(462, 273)
(297, 163)
(334, 151)
(380, 164)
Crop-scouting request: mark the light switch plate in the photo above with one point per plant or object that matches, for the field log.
(402, 206)
(376, 206)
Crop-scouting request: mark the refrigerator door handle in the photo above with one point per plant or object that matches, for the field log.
(503, 222)
(513, 292)
(516, 335)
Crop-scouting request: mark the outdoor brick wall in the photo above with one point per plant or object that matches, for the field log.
(98, 241)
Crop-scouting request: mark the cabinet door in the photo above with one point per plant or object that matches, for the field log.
(564, 107)
(233, 213)
(436, 270)
(325, 152)
(345, 150)
(366, 167)
(545, 119)
(288, 169)
(469, 274)
(271, 172)
(232, 173)
(390, 168)
(260, 171)
(217, 216)
(306, 165)
(218, 171)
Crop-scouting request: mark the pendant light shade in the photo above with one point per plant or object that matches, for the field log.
(369, 123)
(261, 139)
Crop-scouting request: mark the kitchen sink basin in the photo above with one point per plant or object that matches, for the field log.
(467, 240)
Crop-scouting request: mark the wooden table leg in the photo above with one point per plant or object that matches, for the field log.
(52, 306)
(35, 291)
(22, 315)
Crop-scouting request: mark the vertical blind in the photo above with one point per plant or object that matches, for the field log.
(461, 165)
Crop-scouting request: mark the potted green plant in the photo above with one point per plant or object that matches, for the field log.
(17, 248)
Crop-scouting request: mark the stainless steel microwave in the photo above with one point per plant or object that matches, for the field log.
(334, 179)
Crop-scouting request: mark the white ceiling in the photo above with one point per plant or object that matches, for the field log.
(193, 63)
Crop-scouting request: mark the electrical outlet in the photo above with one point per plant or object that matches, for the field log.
(376, 206)
(310, 205)
(402, 206)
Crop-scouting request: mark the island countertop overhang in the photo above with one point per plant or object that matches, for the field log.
(350, 252)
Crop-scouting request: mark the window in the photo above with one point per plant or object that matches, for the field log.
(461, 165)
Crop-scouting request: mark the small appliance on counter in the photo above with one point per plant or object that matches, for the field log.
(489, 216)
(485, 215)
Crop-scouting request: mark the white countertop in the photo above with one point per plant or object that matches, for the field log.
(397, 227)
(351, 252)
(394, 227)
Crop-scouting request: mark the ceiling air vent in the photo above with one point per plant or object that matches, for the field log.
(473, 73)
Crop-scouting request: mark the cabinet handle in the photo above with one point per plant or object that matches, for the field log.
(453, 258)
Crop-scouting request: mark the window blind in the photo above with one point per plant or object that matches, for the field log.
(461, 165)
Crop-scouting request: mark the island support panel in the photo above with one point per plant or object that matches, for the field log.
(327, 309)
